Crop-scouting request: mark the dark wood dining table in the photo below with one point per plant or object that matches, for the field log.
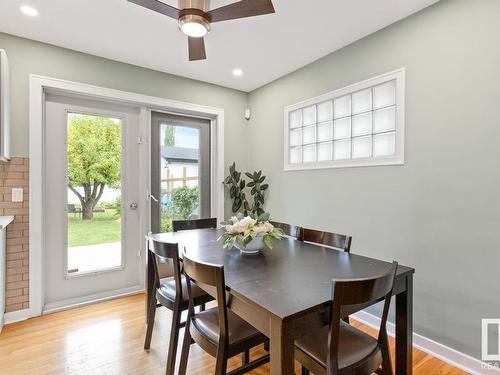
(285, 292)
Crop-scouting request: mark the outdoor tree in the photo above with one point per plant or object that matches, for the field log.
(184, 201)
(169, 139)
(94, 158)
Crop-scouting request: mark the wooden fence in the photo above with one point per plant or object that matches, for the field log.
(171, 180)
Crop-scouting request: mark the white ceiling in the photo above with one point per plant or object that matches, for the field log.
(265, 47)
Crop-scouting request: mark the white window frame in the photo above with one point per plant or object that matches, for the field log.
(397, 159)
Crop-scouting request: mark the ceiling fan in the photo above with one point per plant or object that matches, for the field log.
(194, 17)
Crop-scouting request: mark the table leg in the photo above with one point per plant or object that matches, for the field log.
(282, 348)
(404, 329)
(149, 280)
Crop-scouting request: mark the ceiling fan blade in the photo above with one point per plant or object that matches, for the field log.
(196, 49)
(241, 9)
(159, 7)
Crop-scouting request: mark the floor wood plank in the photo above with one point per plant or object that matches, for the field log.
(107, 338)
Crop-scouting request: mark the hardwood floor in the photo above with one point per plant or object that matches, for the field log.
(107, 338)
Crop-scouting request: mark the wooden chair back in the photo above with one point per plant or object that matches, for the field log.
(178, 225)
(288, 229)
(338, 241)
(209, 277)
(164, 253)
(346, 295)
(165, 268)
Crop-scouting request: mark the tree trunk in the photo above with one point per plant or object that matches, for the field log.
(87, 210)
(92, 195)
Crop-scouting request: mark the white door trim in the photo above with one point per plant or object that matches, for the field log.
(38, 86)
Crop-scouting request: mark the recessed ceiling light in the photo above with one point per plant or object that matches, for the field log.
(29, 11)
(237, 72)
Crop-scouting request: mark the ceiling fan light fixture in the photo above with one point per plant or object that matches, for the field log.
(194, 26)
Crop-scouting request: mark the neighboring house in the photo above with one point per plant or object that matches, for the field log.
(174, 161)
(179, 167)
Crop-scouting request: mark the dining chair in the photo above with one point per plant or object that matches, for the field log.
(288, 229)
(340, 348)
(338, 241)
(218, 331)
(173, 295)
(178, 225)
(209, 223)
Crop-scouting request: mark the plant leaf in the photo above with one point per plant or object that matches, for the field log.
(264, 217)
(268, 240)
(236, 205)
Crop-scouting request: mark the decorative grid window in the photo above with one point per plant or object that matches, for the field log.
(359, 125)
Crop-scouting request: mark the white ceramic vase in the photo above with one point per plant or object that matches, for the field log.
(253, 247)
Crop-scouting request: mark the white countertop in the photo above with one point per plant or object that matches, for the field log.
(5, 220)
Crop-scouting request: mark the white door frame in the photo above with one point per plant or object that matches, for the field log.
(38, 86)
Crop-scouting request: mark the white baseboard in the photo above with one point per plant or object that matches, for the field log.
(17, 316)
(72, 303)
(446, 354)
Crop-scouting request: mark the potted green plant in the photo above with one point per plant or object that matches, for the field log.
(240, 189)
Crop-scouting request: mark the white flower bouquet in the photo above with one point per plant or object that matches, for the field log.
(241, 231)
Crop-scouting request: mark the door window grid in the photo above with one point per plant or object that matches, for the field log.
(358, 125)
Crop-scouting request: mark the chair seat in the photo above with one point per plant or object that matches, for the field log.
(354, 345)
(207, 324)
(167, 291)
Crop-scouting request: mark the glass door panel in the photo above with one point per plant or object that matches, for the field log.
(94, 171)
(180, 170)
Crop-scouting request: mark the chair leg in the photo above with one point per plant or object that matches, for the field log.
(220, 366)
(186, 344)
(174, 338)
(150, 322)
(221, 360)
(305, 371)
(202, 307)
(245, 357)
(386, 358)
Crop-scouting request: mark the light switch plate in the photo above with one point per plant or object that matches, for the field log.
(17, 194)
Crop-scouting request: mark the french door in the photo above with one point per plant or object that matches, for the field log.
(180, 170)
(92, 223)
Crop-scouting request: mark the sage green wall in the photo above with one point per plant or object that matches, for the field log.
(440, 212)
(28, 56)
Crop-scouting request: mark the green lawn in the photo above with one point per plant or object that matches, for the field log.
(105, 227)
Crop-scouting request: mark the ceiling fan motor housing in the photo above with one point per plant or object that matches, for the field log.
(192, 11)
(203, 5)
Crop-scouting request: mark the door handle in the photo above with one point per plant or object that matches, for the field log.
(153, 198)
(133, 206)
